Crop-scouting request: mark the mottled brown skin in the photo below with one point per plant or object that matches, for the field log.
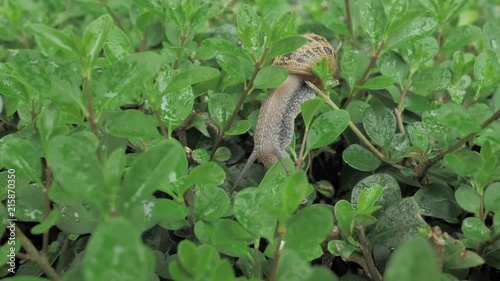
(275, 125)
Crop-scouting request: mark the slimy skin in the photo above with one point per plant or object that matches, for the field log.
(275, 125)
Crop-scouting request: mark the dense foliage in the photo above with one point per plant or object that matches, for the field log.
(124, 124)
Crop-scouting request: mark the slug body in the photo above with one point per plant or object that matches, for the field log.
(275, 125)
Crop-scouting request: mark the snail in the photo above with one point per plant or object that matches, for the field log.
(275, 124)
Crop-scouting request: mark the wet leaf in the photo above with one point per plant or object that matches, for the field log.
(373, 19)
(380, 125)
(417, 29)
(326, 128)
(360, 158)
(131, 123)
(270, 77)
(250, 204)
(211, 203)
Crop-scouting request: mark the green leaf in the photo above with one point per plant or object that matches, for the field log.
(232, 66)
(94, 37)
(78, 171)
(422, 51)
(251, 31)
(239, 127)
(47, 223)
(206, 174)
(377, 83)
(210, 204)
(492, 198)
(222, 154)
(353, 64)
(417, 29)
(117, 45)
(270, 77)
(396, 15)
(230, 238)
(309, 109)
(456, 256)
(437, 201)
(432, 79)
(48, 76)
(131, 123)
(224, 46)
(175, 106)
(391, 64)
(205, 12)
(164, 163)
(380, 125)
(391, 191)
(171, 214)
(341, 248)
(22, 156)
(287, 45)
(356, 110)
(373, 18)
(56, 38)
(307, 229)
(419, 136)
(484, 71)
(78, 218)
(10, 86)
(191, 76)
(326, 128)
(345, 213)
(491, 33)
(294, 191)
(360, 158)
(397, 223)
(123, 82)
(109, 253)
(221, 106)
(413, 261)
(368, 197)
(474, 229)
(465, 163)
(29, 203)
(250, 204)
(468, 199)
(460, 36)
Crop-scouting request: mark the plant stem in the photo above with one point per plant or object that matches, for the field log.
(366, 253)
(181, 44)
(422, 171)
(399, 110)
(40, 259)
(482, 246)
(277, 253)
(91, 116)
(246, 91)
(162, 125)
(300, 158)
(361, 80)
(353, 127)
(112, 14)
(24, 42)
(46, 210)
(349, 21)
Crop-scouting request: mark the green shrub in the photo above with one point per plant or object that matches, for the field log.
(124, 125)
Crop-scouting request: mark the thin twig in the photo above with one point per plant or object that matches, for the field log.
(366, 253)
(40, 259)
(161, 124)
(300, 158)
(25, 43)
(181, 44)
(355, 129)
(246, 91)
(399, 110)
(349, 21)
(46, 210)
(277, 253)
(112, 14)
(422, 169)
(91, 116)
(361, 80)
